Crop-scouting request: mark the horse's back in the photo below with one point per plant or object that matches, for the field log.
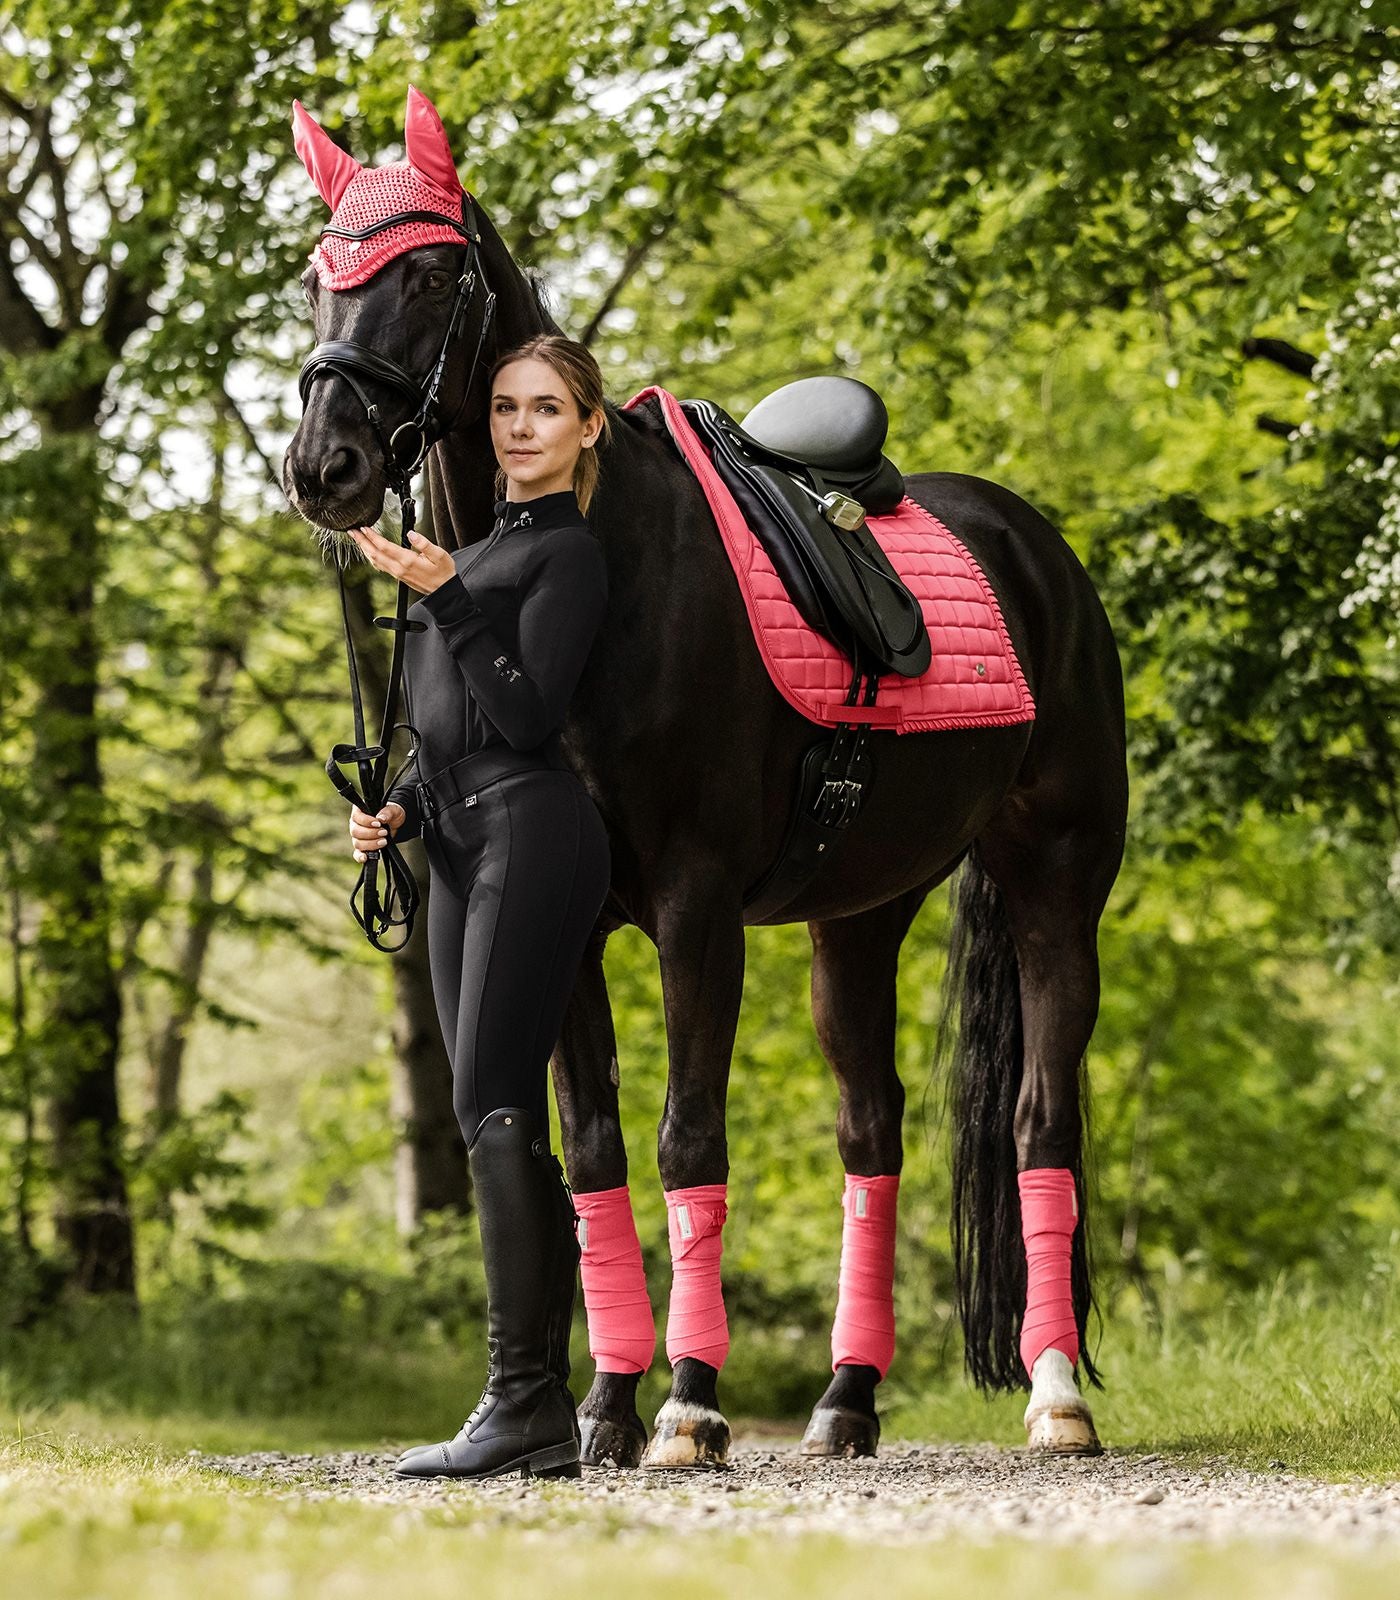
(1058, 627)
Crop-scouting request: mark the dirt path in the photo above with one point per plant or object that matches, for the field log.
(910, 1493)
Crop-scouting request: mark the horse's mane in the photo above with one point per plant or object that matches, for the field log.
(539, 291)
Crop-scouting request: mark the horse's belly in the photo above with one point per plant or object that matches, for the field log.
(929, 797)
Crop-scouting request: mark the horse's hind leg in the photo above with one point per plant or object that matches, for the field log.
(1054, 875)
(854, 965)
(621, 1332)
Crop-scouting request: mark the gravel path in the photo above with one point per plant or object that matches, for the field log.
(909, 1493)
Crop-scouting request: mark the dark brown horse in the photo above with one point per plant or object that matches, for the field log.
(691, 754)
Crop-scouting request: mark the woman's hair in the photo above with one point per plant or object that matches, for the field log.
(575, 364)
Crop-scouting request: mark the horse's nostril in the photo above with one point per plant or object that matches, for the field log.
(342, 469)
(303, 478)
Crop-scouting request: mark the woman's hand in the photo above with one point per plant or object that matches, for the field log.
(424, 567)
(367, 833)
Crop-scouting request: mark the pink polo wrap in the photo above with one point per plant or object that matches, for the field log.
(621, 1328)
(697, 1326)
(1049, 1211)
(863, 1333)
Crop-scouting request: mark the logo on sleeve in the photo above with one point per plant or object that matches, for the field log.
(506, 668)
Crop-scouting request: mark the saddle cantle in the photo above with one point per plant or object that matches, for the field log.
(837, 425)
(804, 482)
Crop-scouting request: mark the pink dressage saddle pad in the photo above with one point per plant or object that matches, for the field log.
(974, 679)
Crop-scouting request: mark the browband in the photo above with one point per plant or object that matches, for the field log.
(409, 216)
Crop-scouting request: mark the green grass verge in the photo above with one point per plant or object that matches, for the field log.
(1311, 1382)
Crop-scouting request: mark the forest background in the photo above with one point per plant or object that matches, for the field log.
(1138, 263)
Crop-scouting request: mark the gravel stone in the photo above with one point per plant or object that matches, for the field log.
(909, 1494)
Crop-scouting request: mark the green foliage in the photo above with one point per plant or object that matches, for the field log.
(1082, 254)
(187, 1155)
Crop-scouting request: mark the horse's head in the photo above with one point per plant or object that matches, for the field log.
(400, 306)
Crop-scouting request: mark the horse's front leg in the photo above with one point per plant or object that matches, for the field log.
(700, 940)
(621, 1330)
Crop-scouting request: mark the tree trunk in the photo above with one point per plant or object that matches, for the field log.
(430, 1168)
(75, 973)
(167, 1061)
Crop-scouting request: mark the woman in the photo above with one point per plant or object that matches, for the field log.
(519, 870)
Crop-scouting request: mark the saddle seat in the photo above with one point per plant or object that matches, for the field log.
(838, 426)
(804, 467)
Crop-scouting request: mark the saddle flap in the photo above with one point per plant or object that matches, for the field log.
(841, 581)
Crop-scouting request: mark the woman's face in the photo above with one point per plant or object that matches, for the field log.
(536, 429)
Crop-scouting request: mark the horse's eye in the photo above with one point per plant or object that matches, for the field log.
(437, 282)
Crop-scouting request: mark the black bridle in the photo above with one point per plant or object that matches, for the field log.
(404, 451)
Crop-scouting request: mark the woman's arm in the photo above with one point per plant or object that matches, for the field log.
(526, 694)
(406, 795)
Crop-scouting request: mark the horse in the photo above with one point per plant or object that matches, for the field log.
(690, 754)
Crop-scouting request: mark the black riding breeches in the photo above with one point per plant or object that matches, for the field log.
(520, 871)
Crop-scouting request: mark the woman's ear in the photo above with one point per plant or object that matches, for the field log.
(592, 428)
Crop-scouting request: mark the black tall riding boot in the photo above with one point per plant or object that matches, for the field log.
(525, 1421)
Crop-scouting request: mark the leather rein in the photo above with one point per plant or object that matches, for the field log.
(404, 451)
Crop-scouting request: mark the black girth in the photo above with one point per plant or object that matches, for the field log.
(404, 451)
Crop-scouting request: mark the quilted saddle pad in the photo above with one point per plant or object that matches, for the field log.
(974, 679)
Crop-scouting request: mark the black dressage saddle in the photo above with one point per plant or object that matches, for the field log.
(805, 467)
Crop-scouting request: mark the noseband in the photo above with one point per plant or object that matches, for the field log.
(404, 452)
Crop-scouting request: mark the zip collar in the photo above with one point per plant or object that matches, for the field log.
(558, 510)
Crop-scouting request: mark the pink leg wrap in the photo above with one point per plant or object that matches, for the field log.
(863, 1333)
(1048, 1215)
(697, 1325)
(621, 1329)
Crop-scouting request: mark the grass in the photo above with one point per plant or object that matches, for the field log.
(1288, 1376)
(99, 1498)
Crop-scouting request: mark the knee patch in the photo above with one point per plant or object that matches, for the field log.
(1049, 1211)
(621, 1328)
(697, 1326)
(863, 1333)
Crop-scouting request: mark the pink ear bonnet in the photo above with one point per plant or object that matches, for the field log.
(361, 197)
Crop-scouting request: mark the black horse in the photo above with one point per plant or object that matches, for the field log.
(691, 754)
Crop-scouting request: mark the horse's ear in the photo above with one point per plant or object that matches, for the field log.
(426, 142)
(331, 168)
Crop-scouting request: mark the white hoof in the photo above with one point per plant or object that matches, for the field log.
(1057, 1420)
(688, 1435)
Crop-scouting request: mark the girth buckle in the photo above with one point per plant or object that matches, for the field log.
(838, 801)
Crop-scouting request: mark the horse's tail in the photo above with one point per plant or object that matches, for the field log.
(989, 1260)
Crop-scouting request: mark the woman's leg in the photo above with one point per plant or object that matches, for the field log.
(536, 886)
(539, 885)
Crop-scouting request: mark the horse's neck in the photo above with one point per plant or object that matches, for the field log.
(462, 467)
(462, 472)
(461, 478)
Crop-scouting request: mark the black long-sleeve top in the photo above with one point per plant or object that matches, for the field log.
(499, 660)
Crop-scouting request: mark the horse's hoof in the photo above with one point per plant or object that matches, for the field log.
(688, 1435)
(1062, 1431)
(1057, 1420)
(838, 1431)
(607, 1441)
